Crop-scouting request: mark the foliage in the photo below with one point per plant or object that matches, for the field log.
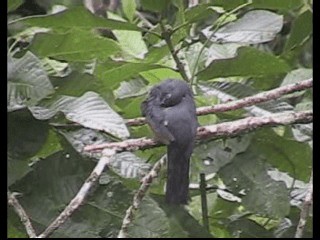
(72, 66)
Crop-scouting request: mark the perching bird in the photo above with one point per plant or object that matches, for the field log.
(171, 113)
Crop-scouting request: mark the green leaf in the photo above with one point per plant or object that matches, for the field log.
(277, 5)
(131, 42)
(300, 32)
(263, 195)
(129, 8)
(28, 83)
(254, 27)
(133, 88)
(248, 62)
(286, 155)
(155, 6)
(13, 4)
(246, 228)
(111, 73)
(156, 75)
(221, 51)
(55, 68)
(89, 110)
(76, 84)
(77, 17)
(55, 181)
(75, 45)
(198, 13)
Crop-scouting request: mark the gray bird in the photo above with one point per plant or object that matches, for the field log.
(171, 113)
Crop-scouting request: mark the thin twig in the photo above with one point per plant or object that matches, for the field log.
(226, 129)
(137, 198)
(22, 214)
(305, 209)
(244, 102)
(81, 195)
(167, 37)
(204, 205)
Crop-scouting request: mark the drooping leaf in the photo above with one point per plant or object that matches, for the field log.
(74, 45)
(248, 62)
(89, 110)
(77, 17)
(28, 83)
(254, 27)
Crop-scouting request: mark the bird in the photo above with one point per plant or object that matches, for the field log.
(170, 112)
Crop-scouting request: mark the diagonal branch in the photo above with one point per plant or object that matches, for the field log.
(226, 129)
(22, 214)
(244, 102)
(137, 198)
(81, 195)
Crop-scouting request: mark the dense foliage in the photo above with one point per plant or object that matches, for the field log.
(74, 77)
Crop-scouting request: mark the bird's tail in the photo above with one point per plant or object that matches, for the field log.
(177, 191)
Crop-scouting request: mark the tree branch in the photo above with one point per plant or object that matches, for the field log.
(244, 102)
(81, 195)
(22, 214)
(226, 129)
(137, 198)
(305, 209)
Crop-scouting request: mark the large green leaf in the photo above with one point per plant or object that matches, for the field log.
(75, 45)
(301, 31)
(28, 83)
(77, 17)
(247, 173)
(89, 110)
(254, 27)
(55, 181)
(286, 155)
(248, 62)
(113, 73)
